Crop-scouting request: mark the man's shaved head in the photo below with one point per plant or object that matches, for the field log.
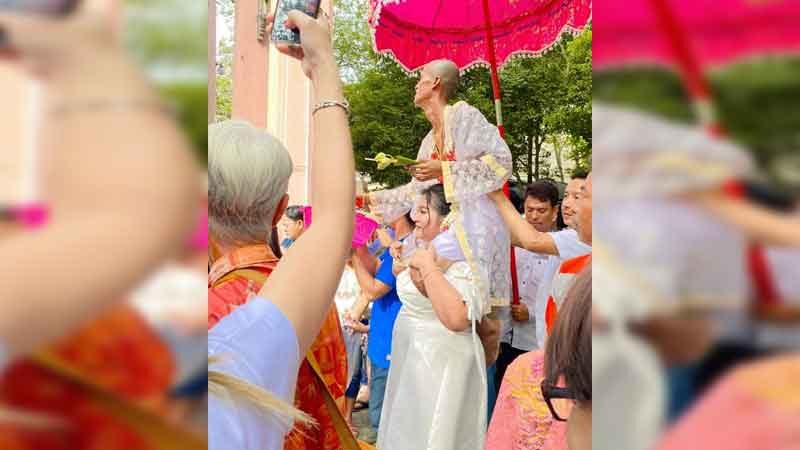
(447, 72)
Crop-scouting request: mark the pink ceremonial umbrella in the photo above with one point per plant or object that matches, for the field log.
(691, 35)
(473, 32)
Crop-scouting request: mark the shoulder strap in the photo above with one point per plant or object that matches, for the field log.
(346, 438)
(155, 430)
(248, 274)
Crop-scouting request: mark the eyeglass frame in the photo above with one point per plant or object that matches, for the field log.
(550, 392)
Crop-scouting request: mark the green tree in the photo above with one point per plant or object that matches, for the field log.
(755, 102)
(224, 65)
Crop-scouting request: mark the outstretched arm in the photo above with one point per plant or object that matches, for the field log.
(759, 223)
(331, 234)
(122, 187)
(522, 233)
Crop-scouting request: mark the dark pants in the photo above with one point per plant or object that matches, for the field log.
(507, 355)
(355, 384)
(377, 388)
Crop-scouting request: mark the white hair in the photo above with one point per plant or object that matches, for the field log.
(248, 175)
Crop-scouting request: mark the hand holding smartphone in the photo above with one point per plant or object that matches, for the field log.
(280, 33)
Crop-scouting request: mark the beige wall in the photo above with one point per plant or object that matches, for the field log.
(271, 91)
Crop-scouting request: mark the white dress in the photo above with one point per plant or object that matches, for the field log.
(436, 392)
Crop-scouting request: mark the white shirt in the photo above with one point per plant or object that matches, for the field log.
(783, 263)
(257, 344)
(347, 293)
(530, 275)
(569, 246)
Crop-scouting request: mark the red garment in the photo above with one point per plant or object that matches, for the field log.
(561, 284)
(224, 297)
(119, 352)
(229, 289)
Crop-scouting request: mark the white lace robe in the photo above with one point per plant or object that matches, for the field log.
(482, 165)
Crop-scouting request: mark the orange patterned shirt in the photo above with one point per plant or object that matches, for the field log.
(119, 352)
(328, 348)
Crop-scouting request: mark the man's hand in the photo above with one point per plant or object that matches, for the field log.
(426, 170)
(520, 313)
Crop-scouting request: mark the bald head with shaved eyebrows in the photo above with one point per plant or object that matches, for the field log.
(438, 78)
(447, 72)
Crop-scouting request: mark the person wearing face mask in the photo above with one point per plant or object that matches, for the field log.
(436, 394)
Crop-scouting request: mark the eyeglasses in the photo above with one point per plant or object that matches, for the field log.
(559, 408)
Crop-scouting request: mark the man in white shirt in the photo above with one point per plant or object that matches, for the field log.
(518, 322)
(559, 246)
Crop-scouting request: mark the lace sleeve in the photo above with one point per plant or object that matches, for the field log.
(483, 159)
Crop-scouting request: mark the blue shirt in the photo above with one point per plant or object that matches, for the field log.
(257, 344)
(384, 313)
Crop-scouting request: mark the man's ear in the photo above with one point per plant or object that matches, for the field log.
(282, 205)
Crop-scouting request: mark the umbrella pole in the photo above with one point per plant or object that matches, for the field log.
(691, 73)
(698, 88)
(498, 106)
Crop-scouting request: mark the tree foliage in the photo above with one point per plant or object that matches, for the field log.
(755, 102)
(545, 100)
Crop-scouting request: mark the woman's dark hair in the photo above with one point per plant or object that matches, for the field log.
(568, 352)
(409, 219)
(434, 195)
(294, 212)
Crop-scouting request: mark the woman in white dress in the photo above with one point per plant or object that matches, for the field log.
(436, 392)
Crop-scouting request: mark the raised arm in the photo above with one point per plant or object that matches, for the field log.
(522, 233)
(759, 223)
(370, 286)
(122, 183)
(321, 251)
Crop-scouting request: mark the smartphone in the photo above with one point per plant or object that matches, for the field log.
(20, 119)
(280, 33)
(40, 7)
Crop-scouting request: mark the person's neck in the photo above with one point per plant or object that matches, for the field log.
(402, 230)
(434, 112)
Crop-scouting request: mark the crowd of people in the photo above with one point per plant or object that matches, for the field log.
(694, 316)
(87, 358)
(417, 314)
